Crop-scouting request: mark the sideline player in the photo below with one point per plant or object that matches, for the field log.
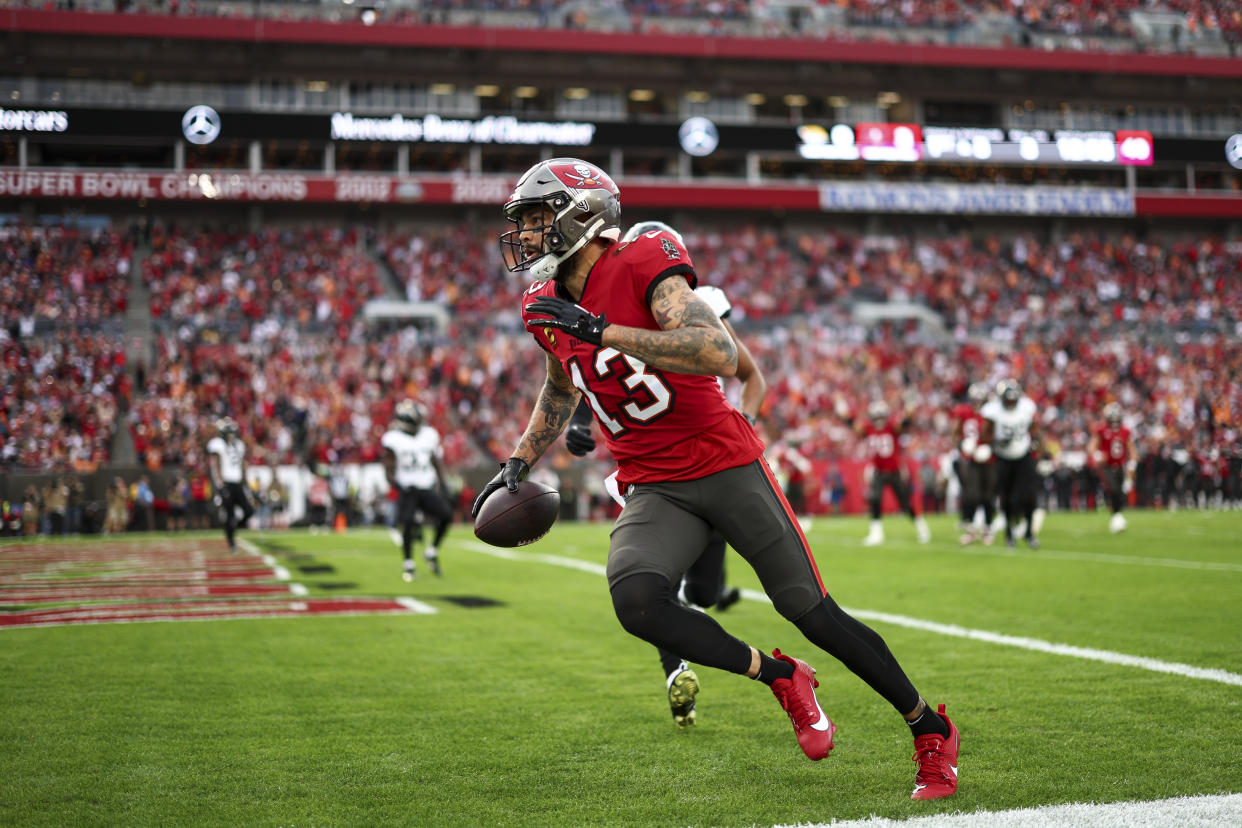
(227, 453)
(412, 465)
(621, 325)
(881, 434)
(1112, 450)
(704, 583)
(1015, 436)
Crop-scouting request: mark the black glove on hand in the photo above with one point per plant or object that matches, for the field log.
(510, 474)
(578, 439)
(574, 320)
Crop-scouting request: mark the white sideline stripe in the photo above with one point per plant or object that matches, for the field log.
(1183, 811)
(1092, 557)
(414, 605)
(1105, 656)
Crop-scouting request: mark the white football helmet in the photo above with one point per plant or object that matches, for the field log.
(409, 416)
(1009, 392)
(878, 411)
(1112, 414)
(584, 202)
(651, 227)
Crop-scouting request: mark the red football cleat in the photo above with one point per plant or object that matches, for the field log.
(937, 758)
(797, 695)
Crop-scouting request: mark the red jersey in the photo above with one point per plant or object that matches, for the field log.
(659, 425)
(972, 427)
(1114, 444)
(883, 447)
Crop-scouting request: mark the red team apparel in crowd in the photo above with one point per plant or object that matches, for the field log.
(700, 432)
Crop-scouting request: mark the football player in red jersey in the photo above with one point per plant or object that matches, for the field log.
(704, 583)
(1112, 450)
(621, 325)
(976, 467)
(881, 434)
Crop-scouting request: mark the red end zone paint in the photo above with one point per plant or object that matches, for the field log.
(61, 594)
(129, 582)
(202, 611)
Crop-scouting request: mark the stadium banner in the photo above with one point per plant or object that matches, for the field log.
(381, 189)
(992, 199)
(229, 186)
(849, 197)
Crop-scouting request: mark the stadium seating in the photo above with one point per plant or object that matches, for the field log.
(232, 279)
(62, 276)
(267, 330)
(59, 397)
(1045, 24)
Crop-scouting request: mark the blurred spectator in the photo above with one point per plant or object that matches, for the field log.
(143, 504)
(178, 503)
(200, 499)
(117, 516)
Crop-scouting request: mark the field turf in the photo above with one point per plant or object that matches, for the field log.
(521, 702)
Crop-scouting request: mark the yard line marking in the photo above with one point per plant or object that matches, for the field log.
(1106, 656)
(1035, 644)
(1223, 809)
(1094, 557)
(414, 605)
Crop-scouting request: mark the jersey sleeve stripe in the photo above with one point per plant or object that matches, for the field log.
(792, 521)
(676, 269)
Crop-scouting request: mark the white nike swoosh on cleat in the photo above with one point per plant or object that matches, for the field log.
(822, 724)
(918, 788)
(954, 769)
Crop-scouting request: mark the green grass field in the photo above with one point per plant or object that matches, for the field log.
(540, 710)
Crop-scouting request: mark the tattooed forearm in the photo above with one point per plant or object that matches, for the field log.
(691, 340)
(557, 400)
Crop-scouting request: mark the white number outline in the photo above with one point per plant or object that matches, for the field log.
(639, 374)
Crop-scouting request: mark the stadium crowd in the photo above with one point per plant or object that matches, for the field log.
(233, 280)
(60, 398)
(267, 330)
(993, 284)
(62, 275)
(843, 18)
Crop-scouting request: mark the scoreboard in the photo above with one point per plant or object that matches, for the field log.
(913, 142)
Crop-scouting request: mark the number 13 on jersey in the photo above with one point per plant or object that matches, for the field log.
(649, 396)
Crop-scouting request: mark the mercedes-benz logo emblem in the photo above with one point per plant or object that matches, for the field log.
(200, 124)
(1233, 150)
(699, 137)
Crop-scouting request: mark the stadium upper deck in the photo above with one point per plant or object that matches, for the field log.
(447, 102)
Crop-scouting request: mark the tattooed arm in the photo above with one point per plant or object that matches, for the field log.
(557, 400)
(691, 339)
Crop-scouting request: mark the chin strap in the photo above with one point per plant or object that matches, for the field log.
(545, 266)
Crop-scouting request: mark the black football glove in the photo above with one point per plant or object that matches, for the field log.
(510, 474)
(578, 439)
(574, 320)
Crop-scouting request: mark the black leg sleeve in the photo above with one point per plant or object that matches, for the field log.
(668, 661)
(647, 607)
(862, 650)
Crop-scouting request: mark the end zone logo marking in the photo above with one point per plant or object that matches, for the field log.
(124, 582)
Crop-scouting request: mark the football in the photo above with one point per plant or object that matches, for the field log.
(518, 518)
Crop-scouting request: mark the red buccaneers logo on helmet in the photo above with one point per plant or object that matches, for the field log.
(583, 177)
